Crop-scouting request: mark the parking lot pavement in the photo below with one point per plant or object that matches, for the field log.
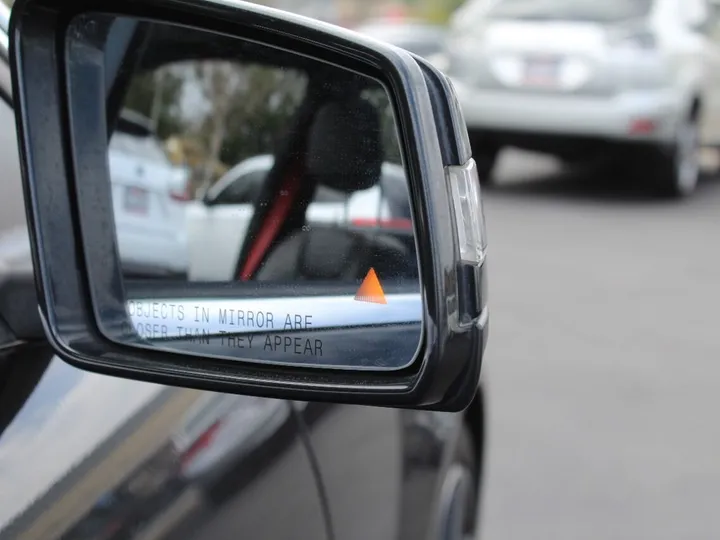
(603, 366)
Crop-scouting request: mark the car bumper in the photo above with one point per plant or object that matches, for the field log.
(648, 116)
(149, 254)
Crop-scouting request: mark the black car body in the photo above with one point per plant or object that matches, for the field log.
(91, 456)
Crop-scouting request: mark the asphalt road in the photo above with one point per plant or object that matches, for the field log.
(603, 366)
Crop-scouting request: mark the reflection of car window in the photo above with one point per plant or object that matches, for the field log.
(389, 136)
(325, 194)
(244, 189)
(395, 191)
(580, 10)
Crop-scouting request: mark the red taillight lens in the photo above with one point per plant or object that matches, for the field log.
(202, 442)
(642, 126)
(180, 197)
(396, 223)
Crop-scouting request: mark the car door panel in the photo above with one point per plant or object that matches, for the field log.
(215, 237)
(91, 456)
(381, 468)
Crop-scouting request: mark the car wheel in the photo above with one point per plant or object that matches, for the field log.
(485, 152)
(677, 172)
(459, 492)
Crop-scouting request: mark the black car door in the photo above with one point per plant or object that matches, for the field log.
(92, 456)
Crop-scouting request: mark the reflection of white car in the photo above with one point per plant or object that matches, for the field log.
(217, 223)
(577, 77)
(221, 429)
(149, 199)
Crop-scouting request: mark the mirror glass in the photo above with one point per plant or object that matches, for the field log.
(260, 198)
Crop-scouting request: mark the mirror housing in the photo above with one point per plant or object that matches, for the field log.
(78, 277)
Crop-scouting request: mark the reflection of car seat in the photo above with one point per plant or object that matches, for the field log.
(344, 152)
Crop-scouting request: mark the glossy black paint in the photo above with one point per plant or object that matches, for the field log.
(91, 456)
(79, 452)
(79, 246)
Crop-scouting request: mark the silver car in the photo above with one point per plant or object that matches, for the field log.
(577, 78)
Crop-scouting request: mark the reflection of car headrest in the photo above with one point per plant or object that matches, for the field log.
(344, 146)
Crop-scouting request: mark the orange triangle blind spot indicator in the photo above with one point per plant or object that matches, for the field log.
(371, 290)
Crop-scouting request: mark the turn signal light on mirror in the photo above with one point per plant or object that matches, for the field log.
(469, 215)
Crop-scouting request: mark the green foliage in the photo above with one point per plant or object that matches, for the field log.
(439, 11)
(142, 97)
(260, 114)
(243, 111)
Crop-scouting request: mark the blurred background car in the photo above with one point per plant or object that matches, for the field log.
(149, 199)
(4, 23)
(218, 221)
(581, 78)
(420, 37)
(219, 433)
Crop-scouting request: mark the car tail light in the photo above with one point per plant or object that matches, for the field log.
(181, 196)
(395, 223)
(201, 443)
(642, 126)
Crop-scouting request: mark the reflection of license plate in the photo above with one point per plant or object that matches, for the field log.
(136, 200)
(541, 71)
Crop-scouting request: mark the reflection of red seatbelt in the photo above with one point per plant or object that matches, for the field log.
(274, 220)
(392, 223)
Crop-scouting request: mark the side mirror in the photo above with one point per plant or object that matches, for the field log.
(311, 307)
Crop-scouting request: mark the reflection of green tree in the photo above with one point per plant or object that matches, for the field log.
(157, 96)
(260, 114)
(434, 11)
(248, 110)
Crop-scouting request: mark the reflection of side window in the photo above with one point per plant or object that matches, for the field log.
(243, 190)
(379, 98)
(395, 191)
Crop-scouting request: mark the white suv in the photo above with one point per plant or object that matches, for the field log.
(149, 201)
(578, 78)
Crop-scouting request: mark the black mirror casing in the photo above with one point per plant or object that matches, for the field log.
(78, 272)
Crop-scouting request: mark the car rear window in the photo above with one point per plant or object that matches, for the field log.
(146, 147)
(573, 10)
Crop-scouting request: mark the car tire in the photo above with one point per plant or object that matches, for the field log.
(676, 171)
(460, 491)
(485, 152)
